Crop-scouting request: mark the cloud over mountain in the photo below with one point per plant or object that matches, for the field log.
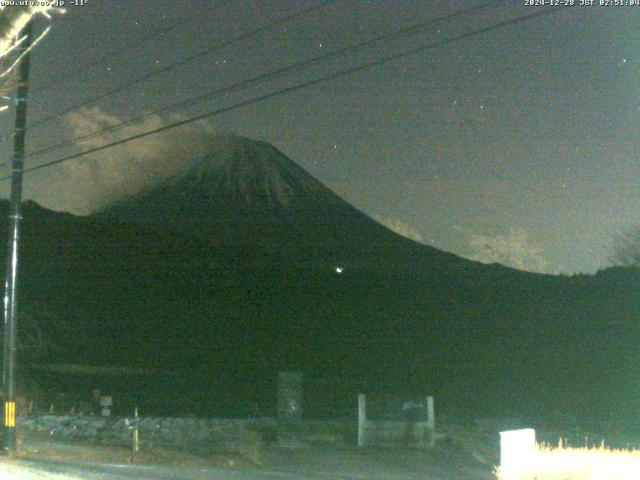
(87, 183)
(399, 226)
(514, 249)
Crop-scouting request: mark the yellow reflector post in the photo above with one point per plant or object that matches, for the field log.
(9, 414)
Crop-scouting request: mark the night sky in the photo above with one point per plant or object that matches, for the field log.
(517, 145)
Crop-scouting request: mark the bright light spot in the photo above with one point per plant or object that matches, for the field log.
(12, 20)
(16, 18)
(522, 458)
(339, 269)
(517, 448)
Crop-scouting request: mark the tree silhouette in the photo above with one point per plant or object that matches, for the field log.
(626, 248)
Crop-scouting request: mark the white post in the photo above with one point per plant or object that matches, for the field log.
(362, 419)
(136, 441)
(431, 421)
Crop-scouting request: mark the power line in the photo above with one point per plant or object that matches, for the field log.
(55, 81)
(270, 75)
(179, 63)
(300, 86)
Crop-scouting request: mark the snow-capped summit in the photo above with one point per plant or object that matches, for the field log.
(252, 175)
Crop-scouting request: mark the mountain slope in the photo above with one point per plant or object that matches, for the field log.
(247, 193)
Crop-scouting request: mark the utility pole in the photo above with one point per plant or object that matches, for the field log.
(11, 279)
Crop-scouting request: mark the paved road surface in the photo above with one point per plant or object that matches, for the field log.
(43, 469)
(46, 459)
(58, 470)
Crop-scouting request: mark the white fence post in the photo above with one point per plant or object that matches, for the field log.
(136, 433)
(431, 421)
(362, 419)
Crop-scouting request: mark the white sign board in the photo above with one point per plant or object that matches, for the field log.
(518, 450)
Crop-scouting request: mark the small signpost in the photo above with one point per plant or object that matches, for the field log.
(106, 403)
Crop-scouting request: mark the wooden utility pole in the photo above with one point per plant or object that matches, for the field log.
(11, 279)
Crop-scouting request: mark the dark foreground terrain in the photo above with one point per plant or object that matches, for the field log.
(211, 283)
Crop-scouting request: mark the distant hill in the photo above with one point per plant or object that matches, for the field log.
(246, 265)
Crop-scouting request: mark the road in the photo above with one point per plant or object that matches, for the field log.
(47, 469)
(45, 458)
(59, 470)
